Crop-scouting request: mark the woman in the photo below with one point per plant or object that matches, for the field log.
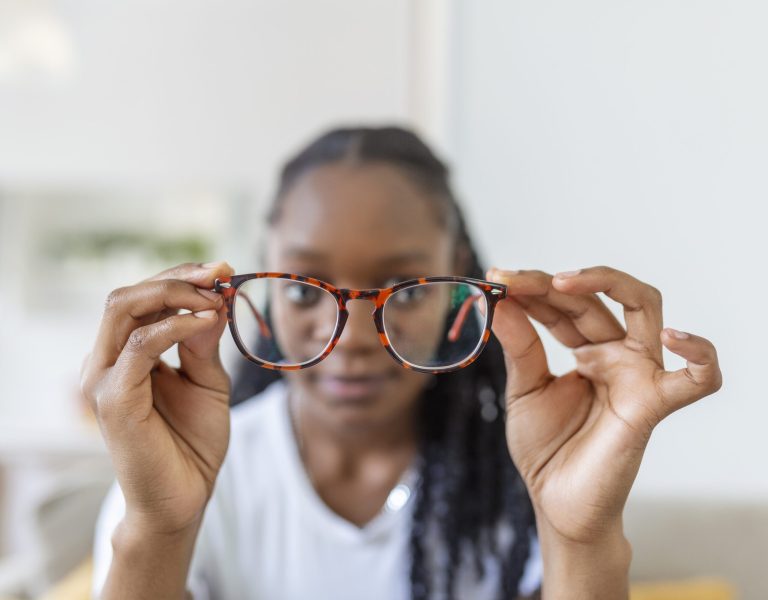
(357, 478)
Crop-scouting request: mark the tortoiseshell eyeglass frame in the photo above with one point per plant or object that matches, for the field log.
(493, 292)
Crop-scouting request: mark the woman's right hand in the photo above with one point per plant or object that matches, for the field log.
(166, 429)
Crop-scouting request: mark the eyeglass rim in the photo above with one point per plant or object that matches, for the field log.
(228, 286)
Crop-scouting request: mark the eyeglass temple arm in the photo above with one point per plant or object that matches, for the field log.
(263, 327)
(461, 317)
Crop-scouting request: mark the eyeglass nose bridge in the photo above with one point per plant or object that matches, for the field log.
(348, 294)
(376, 296)
(378, 299)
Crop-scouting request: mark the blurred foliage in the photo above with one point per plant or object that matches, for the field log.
(102, 244)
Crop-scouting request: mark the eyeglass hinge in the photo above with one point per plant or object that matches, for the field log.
(221, 284)
(496, 292)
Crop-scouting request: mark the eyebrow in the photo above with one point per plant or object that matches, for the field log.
(393, 259)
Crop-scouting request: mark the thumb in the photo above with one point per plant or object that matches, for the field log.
(199, 356)
(524, 355)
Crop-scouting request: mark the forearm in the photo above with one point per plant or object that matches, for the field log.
(597, 570)
(149, 565)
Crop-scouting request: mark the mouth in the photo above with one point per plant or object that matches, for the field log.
(356, 388)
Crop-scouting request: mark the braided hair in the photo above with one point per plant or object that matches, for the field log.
(468, 487)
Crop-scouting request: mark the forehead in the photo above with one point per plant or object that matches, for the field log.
(359, 213)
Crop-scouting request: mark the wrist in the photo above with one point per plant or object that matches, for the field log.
(147, 563)
(593, 569)
(134, 534)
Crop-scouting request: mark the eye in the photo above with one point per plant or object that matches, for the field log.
(410, 295)
(302, 294)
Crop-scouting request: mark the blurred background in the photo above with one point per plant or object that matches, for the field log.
(134, 136)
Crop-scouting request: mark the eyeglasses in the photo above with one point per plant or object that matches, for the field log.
(287, 322)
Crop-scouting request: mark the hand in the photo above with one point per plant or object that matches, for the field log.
(167, 429)
(578, 439)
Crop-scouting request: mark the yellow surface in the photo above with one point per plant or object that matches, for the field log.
(699, 589)
(75, 586)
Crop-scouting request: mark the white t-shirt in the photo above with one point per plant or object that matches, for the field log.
(266, 534)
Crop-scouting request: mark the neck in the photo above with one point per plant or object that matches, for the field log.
(353, 469)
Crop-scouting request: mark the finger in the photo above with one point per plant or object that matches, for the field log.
(202, 275)
(701, 375)
(200, 359)
(524, 355)
(641, 302)
(586, 313)
(195, 274)
(558, 324)
(147, 343)
(147, 302)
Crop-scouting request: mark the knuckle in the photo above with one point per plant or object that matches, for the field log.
(542, 280)
(654, 294)
(552, 322)
(181, 270)
(102, 400)
(114, 299)
(539, 275)
(174, 288)
(87, 388)
(138, 339)
(638, 345)
(165, 328)
(717, 384)
(166, 287)
(85, 380)
(575, 313)
(714, 380)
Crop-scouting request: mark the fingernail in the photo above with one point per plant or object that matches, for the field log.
(205, 314)
(209, 294)
(679, 335)
(566, 274)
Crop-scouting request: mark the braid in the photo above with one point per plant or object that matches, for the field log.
(463, 416)
(469, 488)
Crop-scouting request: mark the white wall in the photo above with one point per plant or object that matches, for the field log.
(634, 134)
(205, 92)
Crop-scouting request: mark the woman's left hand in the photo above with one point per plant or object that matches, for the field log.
(578, 439)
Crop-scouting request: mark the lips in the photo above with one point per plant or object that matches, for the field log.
(344, 387)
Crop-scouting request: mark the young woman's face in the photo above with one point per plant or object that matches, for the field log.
(359, 227)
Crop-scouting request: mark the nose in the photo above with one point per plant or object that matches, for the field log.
(359, 333)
